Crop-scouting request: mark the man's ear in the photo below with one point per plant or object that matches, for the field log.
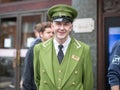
(71, 27)
(40, 33)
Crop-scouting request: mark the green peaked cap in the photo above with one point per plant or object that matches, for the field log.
(62, 10)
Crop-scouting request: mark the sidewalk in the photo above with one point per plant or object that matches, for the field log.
(4, 83)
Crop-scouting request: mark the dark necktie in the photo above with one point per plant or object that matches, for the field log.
(60, 53)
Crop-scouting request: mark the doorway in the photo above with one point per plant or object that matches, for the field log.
(16, 36)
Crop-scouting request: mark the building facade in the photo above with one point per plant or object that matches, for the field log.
(17, 20)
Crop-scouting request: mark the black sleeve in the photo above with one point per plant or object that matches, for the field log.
(28, 74)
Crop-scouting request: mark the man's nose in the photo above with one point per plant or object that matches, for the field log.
(62, 27)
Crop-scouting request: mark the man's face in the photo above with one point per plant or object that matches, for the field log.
(61, 30)
(47, 34)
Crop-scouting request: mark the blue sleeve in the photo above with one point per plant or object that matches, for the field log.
(114, 67)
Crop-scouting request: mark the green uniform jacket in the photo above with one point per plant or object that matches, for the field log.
(78, 74)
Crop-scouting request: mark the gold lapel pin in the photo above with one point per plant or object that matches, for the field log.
(75, 57)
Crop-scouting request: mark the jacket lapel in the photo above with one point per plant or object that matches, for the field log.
(47, 59)
(75, 54)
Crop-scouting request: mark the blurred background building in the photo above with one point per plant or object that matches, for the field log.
(18, 17)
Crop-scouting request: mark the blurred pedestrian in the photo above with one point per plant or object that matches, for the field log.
(44, 31)
(114, 67)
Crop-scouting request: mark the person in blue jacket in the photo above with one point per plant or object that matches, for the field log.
(114, 67)
(45, 32)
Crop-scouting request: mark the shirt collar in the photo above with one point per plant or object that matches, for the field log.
(65, 44)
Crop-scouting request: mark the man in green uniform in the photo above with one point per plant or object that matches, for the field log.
(63, 63)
